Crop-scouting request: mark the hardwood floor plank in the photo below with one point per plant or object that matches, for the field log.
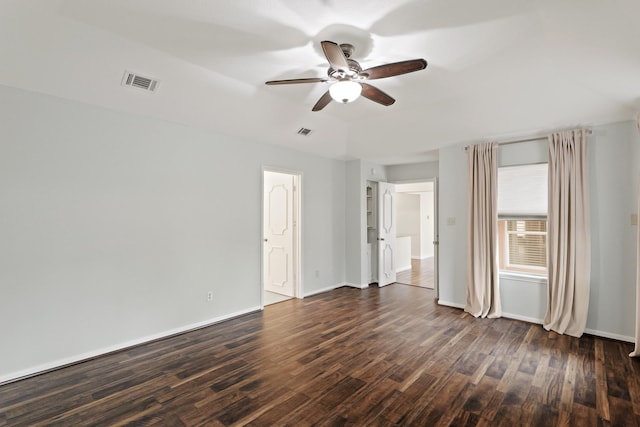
(585, 387)
(470, 363)
(634, 387)
(541, 369)
(583, 416)
(375, 357)
(568, 385)
(490, 411)
(441, 411)
(420, 274)
(480, 396)
(279, 411)
(622, 413)
(602, 391)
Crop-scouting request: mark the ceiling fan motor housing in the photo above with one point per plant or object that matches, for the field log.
(353, 72)
(354, 67)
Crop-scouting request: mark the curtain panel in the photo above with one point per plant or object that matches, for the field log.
(483, 290)
(636, 350)
(569, 242)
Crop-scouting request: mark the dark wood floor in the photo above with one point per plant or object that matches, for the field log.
(386, 356)
(421, 273)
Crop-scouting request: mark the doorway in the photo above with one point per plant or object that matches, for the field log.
(381, 233)
(280, 236)
(417, 234)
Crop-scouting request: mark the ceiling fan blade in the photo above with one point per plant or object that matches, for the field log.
(322, 102)
(335, 56)
(395, 69)
(295, 81)
(376, 95)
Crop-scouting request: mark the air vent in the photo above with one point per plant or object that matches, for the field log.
(304, 131)
(141, 82)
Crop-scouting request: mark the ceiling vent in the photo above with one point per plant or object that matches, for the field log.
(141, 82)
(304, 131)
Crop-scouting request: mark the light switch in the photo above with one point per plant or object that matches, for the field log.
(634, 219)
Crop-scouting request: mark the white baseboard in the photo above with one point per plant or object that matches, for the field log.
(353, 285)
(610, 335)
(422, 257)
(403, 268)
(594, 332)
(450, 304)
(71, 360)
(523, 318)
(327, 289)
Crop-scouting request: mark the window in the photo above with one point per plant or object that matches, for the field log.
(524, 243)
(522, 219)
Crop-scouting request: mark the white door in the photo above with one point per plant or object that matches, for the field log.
(436, 234)
(279, 232)
(386, 233)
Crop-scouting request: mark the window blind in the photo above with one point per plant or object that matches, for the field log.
(522, 191)
(527, 243)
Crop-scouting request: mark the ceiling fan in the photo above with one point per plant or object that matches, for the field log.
(347, 78)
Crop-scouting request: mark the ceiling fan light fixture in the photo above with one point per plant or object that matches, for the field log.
(346, 77)
(345, 91)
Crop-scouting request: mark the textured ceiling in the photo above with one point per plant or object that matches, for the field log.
(497, 69)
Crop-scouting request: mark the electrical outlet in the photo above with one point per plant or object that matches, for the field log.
(209, 296)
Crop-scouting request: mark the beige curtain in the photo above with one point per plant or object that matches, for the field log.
(483, 290)
(569, 242)
(636, 350)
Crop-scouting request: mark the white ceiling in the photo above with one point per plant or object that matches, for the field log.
(497, 68)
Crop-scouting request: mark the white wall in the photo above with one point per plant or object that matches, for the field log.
(408, 220)
(372, 172)
(355, 203)
(415, 213)
(412, 171)
(403, 253)
(452, 226)
(613, 160)
(426, 224)
(114, 227)
(614, 166)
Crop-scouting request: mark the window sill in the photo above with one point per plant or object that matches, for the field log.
(523, 277)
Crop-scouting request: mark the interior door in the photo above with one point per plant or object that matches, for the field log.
(436, 238)
(386, 233)
(279, 222)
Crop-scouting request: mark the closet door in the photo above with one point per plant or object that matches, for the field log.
(278, 262)
(386, 233)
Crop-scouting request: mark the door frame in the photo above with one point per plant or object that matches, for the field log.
(297, 230)
(436, 228)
